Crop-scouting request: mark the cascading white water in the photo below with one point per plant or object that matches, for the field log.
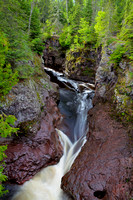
(46, 184)
(84, 106)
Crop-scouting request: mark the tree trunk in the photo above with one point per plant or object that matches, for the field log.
(67, 8)
(31, 10)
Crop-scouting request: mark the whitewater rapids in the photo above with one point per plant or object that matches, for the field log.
(45, 185)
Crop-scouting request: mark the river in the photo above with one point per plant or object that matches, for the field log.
(75, 102)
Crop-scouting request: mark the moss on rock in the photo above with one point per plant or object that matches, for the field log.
(81, 63)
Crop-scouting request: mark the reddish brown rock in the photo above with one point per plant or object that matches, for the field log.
(104, 168)
(27, 154)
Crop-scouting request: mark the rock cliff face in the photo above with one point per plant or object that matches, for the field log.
(53, 54)
(78, 64)
(81, 64)
(104, 167)
(37, 145)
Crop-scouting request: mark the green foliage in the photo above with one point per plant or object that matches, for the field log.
(14, 22)
(100, 26)
(118, 53)
(25, 71)
(48, 30)
(3, 48)
(6, 129)
(28, 69)
(74, 18)
(57, 17)
(126, 33)
(35, 29)
(6, 123)
(7, 77)
(87, 11)
(37, 45)
(19, 48)
(66, 37)
(110, 40)
(86, 32)
(84, 35)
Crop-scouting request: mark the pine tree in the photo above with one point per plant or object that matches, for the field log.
(87, 11)
(7, 77)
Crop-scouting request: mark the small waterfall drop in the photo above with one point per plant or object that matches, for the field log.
(74, 104)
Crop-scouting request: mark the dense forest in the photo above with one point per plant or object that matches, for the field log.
(25, 25)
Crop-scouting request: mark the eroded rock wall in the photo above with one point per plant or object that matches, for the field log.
(104, 167)
(53, 54)
(79, 63)
(33, 102)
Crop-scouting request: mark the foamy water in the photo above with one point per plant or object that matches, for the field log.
(46, 184)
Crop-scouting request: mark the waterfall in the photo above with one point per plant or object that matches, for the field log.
(74, 104)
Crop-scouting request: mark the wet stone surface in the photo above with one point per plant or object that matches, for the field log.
(104, 167)
(28, 154)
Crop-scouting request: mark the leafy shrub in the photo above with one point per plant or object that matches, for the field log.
(35, 29)
(48, 30)
(25, 71)
(66, 37)
(86, 32)
(37, 45)
(110, 40)
(126, 33)
(118, 53)
(100, 26)
(38, 70)
(7, 77)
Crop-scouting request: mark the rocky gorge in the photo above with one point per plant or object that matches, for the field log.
(36, 145)
(104, 167)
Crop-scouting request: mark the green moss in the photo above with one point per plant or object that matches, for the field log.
(88, 72)
(38, 96)
(79, 60)
(25, 127)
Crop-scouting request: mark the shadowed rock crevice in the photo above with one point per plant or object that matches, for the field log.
(100, 194)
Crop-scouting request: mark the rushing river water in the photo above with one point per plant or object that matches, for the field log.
(75, 101)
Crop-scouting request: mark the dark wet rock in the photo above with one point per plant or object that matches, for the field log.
(81, 64)
(104, 167)
(53, 54)
(28, 153)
